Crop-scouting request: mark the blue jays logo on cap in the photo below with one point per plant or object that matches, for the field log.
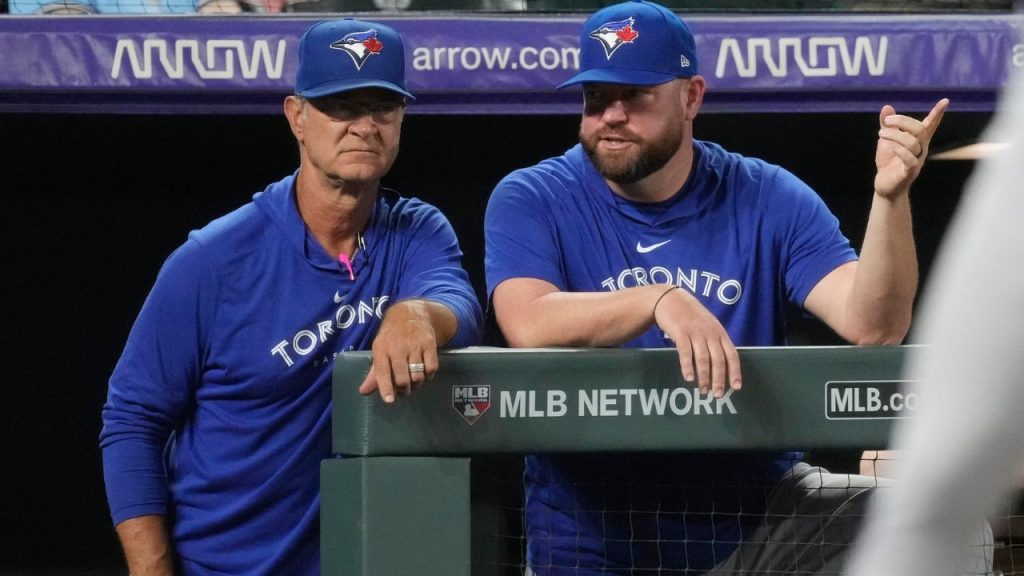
(360, 46)
(661, 46)
(376, 50)
(612, 35)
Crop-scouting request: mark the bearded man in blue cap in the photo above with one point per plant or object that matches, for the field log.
(643, 236)
(219, 410)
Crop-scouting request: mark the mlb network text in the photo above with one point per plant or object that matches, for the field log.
(554, 403)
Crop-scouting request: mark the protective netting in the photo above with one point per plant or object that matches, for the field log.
(620, 522)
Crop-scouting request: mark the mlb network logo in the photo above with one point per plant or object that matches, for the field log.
(471, 401)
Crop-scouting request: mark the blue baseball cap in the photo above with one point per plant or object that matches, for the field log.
(342, 55)
(638, 43)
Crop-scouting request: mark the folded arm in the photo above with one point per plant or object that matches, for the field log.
(535, 313)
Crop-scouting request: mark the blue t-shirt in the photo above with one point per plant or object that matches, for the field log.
(745, 237)
(219, 409)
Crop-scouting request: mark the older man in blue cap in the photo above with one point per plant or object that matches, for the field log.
(643, 236)
(219, 410)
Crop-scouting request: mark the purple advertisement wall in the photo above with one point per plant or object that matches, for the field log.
(509, 64)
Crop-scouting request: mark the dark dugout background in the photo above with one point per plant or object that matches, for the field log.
(93, 204)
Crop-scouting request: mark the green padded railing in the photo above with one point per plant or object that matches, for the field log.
(399, 501)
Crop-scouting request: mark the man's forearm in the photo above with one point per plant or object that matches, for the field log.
(579, 318)
(147, 546)
(437, 315)
(886, 282)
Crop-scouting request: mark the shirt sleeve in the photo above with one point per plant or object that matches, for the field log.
(153, 384)
(810, 239)
(519, 237)
(432, 270)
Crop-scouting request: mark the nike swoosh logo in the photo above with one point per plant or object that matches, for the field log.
(645, 249)
(338, 298)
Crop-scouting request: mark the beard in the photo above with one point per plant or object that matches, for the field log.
(628, 167)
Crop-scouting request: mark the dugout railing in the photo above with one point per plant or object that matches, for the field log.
(398, 500)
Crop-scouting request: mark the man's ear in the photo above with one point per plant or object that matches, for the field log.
(294, 111)
(693, 96)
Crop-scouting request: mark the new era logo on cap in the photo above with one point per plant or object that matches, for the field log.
(641, 44)
(360, 45)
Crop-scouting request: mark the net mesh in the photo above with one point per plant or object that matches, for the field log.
(805, 530)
